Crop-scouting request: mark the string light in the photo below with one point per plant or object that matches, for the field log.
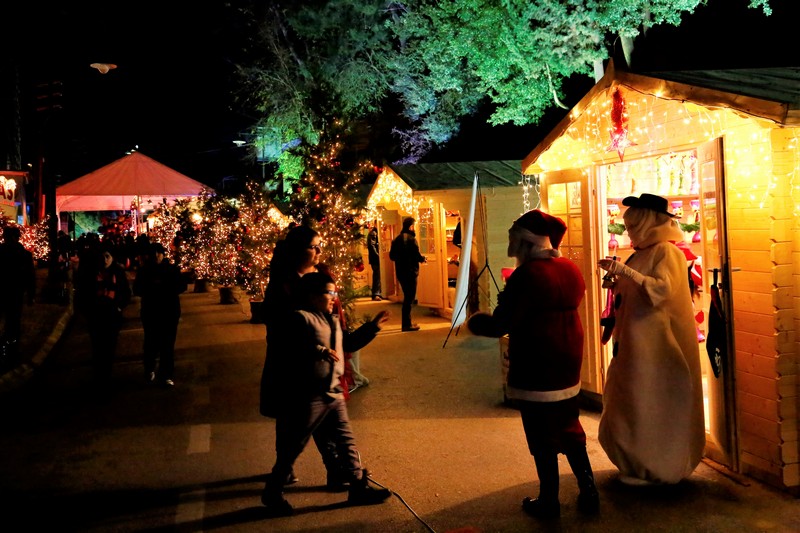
(658, 125)
(33, 238)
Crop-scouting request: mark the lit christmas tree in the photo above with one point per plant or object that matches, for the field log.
(33, 238)
(164, 227)
(260, 227)
(326, 198)
(218, 239)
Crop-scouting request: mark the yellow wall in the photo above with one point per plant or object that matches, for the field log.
(502, 205)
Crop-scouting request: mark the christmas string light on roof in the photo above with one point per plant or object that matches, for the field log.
(658, 124)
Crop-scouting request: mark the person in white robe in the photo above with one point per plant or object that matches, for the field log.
(652, 425)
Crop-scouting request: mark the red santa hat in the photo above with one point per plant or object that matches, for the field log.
(540, 223)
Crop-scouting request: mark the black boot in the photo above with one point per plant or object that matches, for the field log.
(539, 508)
(276, 504)
(272, 495)
(337, 481)
(588, 498)
(547, 504)
(360, 493)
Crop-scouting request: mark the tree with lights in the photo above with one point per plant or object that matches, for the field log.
(327, 198)
(227, 241)
(261, 225)
(165, 227)
(208, 238)
(33, 238)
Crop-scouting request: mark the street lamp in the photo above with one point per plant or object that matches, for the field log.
(260, 158)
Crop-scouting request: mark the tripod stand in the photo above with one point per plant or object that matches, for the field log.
(477, 198)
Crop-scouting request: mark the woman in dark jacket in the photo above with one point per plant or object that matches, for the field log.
(103, 293)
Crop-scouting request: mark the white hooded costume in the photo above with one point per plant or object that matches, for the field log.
(652, 424)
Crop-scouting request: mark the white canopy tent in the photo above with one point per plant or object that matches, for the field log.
(116, 186)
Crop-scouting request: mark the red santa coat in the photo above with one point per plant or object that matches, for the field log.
(539, 311)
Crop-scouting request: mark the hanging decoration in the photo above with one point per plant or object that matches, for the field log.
(619, 125)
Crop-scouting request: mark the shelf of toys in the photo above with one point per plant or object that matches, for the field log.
(673, 176)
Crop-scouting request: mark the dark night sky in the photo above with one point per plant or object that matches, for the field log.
(172, 93)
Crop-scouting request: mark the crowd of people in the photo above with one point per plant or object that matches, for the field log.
(103, 288)
(651, 426)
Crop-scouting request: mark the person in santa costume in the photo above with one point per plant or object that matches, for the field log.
(652, 425)
(538, 309)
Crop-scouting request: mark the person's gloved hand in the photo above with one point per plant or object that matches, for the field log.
(619, 269)
(381, 318)
(481, 323)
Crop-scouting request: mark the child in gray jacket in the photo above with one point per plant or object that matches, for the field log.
(315, 400)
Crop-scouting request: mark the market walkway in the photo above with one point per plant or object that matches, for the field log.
(431, 426)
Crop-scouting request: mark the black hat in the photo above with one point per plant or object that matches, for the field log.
(649, 201)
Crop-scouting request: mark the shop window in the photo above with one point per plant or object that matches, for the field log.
(425, 231)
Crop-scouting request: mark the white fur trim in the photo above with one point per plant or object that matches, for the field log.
(543, 396)
(542, 241)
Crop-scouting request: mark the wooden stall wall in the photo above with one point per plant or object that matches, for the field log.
(786, 168)
(761, 252)
(503, 207)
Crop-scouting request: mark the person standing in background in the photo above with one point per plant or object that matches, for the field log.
(19, 277)
(407, 257)
(103, 291)
(159, 283)
(538, 309)
(374, 254)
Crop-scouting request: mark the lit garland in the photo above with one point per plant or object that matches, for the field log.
(389, 189)
(529, 183)
(658, 125)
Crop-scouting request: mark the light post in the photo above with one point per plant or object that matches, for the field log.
(261, 157)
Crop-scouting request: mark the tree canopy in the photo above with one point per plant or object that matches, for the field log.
(418, 67)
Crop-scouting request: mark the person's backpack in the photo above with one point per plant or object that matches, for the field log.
(395, 251)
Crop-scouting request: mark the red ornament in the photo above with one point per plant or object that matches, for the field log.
(619, 125)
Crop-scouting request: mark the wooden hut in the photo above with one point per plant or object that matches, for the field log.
(438, 196)
(724, 148)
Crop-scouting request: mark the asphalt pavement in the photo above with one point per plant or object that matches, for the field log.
(431, 426)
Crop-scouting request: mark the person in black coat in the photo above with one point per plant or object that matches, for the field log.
(407, 257)
(159, 283)
(103, 292)
(374, 254)
(18, 275)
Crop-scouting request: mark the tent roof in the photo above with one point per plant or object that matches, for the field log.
(116, 185)
(438, 176)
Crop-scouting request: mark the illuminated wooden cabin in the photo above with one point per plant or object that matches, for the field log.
(724, 148)
(438, 196)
